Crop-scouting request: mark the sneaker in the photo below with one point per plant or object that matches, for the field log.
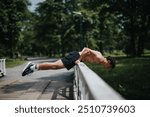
(27, 70)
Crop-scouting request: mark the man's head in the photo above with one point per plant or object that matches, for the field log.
(112, 61)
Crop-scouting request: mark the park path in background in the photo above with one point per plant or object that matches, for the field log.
(47, 84)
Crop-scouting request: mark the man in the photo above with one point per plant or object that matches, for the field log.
(69, 61)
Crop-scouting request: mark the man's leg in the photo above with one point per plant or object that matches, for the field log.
(50, 65)
(31, 67)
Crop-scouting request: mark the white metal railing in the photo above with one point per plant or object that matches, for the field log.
(89, 86)
(2, 67)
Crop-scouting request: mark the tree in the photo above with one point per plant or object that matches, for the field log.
(135, 18)
(106, 25)
(12, 14)
(55, 28)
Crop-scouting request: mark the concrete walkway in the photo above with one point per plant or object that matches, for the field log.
(41, 85)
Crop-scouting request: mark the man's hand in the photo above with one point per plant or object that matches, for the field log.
(77, 61)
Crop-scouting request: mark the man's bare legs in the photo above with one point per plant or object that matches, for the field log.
(50, 65)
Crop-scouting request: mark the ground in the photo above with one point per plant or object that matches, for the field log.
(49, 84)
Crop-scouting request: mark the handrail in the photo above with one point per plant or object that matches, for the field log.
(89, 86)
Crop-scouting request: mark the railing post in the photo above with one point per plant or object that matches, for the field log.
(2, 67)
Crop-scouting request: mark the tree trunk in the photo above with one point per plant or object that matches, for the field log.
(142, 35)
(132, 37)
(132, 33)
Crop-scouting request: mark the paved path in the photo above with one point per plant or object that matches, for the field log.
(45, 85)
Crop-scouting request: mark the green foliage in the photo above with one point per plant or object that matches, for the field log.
(14, 62)
(12, 13)
(55, 28)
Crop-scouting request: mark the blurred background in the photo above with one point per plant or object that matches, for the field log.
(52, 28)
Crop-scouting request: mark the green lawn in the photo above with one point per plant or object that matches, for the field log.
(131, 77)
(14, 62)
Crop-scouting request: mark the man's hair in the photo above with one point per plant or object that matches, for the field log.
(112, 61)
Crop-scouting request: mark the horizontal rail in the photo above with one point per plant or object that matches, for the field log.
(89, 86)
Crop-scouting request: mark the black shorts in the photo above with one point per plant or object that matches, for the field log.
(69, 60)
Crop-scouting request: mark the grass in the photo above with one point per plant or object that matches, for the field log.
(13, 62)
(131, 77)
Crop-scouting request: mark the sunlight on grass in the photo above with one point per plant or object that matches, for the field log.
(13, 62)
